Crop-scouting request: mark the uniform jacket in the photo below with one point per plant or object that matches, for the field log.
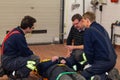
(16, 45)
(97, 44)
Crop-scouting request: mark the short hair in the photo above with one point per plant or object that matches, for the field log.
(27, 21)
(76, 16)
(90, 15)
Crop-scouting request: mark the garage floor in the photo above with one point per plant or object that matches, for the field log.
(47, 51)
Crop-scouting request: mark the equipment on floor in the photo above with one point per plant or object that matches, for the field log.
(55, 71)
(62, 72)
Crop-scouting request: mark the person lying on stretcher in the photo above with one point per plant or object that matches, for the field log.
(44, 66)
(54, 70)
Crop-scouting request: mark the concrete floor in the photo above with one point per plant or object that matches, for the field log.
(47, 51)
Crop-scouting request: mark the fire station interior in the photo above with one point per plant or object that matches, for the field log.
(53, 24)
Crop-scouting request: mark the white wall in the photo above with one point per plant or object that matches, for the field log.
(46, 12)
(110, 13)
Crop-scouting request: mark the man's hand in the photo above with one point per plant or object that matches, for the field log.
(54, 58)
(70, 48)
(62, 61)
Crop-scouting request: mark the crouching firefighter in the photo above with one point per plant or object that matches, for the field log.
(78, 62)
(16, 54)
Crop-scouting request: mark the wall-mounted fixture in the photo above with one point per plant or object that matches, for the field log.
(75, 5)
(114, 1)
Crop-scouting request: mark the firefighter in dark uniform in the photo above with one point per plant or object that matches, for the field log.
(98, 48)
(16, 55)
